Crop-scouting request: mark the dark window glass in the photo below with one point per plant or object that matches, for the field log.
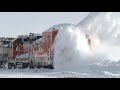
(26, 39)
(38, 37)
(6, 42)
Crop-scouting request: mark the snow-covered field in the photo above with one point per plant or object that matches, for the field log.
(45, 73)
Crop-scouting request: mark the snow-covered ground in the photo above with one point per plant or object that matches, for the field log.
(49, 74)
(45, 73)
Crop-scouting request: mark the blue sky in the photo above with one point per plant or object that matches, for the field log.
(13, 24)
